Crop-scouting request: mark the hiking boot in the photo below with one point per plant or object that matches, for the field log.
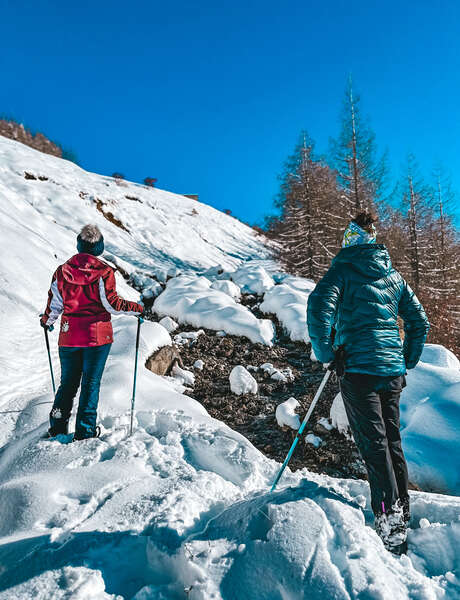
(58, 429)
(96, 434)
(392, 529)
(405, 503)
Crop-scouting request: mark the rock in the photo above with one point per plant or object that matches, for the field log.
(163, 360)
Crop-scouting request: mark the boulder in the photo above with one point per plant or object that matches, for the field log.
(163, 360)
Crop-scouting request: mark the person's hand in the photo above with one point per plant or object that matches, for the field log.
(44, 324)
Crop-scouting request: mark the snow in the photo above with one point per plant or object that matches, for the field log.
(227, 287)
(169, 324)
(198, 364)
(187, 337)
(288, 301)
(285, 414)
(339, 417)
(252, 279)
(325, 423)
(242, 382)
(430, 420)
(190, 299)
(184, 376)
(313, 439)
(283, 375)
(180, 509)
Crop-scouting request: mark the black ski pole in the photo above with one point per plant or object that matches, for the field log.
(140, 320)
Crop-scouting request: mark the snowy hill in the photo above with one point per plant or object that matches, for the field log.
(181, 509)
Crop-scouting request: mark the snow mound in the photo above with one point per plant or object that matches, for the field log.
(186, 377)
(191, 300)
(285, 414)
(252, 279)
(169, 324)
(242, 382)
(438, 356)
(339, 417)
(227, 287)
(288, 301)
(313, 439)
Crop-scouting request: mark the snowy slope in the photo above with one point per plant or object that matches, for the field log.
(179, 510)
(165, 230)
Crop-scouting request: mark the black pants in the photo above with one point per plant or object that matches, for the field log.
(372, 407)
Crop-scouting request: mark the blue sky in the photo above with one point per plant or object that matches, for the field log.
(210, 97)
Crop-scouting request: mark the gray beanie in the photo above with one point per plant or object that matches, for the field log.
(90, 240)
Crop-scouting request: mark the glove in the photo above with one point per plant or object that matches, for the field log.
(338, 364)
(45, 325)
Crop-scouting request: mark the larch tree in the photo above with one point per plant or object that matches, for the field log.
(306, 228)
(361, 174)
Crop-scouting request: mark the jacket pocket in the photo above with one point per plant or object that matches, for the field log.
(104, 333)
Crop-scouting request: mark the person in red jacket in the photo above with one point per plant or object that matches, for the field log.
(83, 291)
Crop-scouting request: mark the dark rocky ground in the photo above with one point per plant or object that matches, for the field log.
(254, 415)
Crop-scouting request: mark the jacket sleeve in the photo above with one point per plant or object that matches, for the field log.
(111, 301)
(416, 326)
(321, 314)
(55, 304)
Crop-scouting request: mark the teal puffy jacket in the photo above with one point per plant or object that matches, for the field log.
(361, 296)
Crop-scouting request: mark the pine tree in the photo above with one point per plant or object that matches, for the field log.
(360, 173)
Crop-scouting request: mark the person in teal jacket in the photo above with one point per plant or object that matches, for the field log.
(355, 308)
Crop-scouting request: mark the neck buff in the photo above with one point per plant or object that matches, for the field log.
(354, 235)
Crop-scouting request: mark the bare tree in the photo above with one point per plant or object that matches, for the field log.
(360, 173)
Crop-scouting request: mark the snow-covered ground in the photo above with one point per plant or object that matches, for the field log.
(180, 509)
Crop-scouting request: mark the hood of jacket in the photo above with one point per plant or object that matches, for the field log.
(83, 269)
(370, 260)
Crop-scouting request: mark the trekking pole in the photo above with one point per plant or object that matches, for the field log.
(140, 320)
(330, 368)
(46, 329)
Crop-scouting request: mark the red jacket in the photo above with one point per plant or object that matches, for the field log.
(83, 290)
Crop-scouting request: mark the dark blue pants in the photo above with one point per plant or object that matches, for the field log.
(84, 365)
(372, 407)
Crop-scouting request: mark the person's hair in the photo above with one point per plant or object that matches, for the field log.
(90, 234)
(365, 219)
